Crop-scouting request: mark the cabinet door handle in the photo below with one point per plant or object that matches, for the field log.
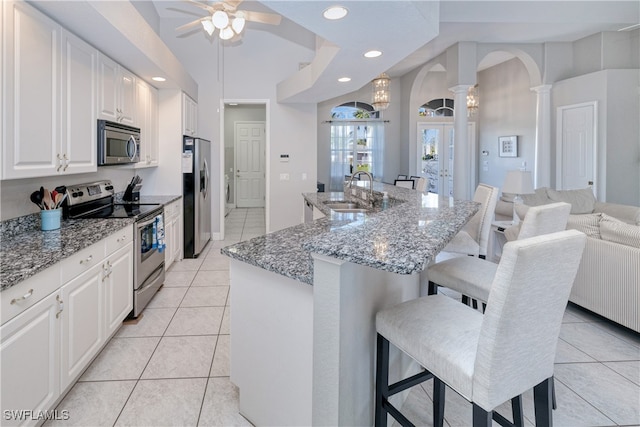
(66, 162)
(107, 269)
(23, 297)
(60, 306)
(59, 163)
(86, 260)
(121, 239)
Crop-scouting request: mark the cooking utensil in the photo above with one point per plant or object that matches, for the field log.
(59, 199)
(48, 203)
(35, 198)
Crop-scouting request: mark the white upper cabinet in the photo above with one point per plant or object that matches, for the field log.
(116, 92)
(79, 123)
(189, 116)
(47, 129)
(30, 118)
(147, 114)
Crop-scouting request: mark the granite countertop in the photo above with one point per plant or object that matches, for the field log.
(401, 239)
(25, 250)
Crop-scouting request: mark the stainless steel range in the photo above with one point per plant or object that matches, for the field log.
(97, 200)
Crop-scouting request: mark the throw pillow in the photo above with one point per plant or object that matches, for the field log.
(507, 197)
(536, 199)
(582, 201)
(589, 224)
(617, 231)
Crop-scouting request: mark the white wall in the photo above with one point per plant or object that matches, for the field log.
(250, 70)
(507, 107)
(618, 131)
(14, 193)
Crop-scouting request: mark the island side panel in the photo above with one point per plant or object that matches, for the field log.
(347, 297)
(271, 345)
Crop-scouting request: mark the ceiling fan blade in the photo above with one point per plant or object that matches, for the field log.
(231, 5)
(206, 7)
(264, 18)
(190, 25)
(188, 12)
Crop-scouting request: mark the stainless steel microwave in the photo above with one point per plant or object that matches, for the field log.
(117, 143)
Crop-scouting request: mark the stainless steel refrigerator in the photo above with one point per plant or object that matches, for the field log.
(196, 194)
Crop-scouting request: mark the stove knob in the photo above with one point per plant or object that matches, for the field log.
(80, 193)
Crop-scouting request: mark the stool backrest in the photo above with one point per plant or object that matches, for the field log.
(545, 219)
(521, 324)
(479, 226)
(422, 185)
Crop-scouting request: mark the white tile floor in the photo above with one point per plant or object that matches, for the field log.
(171, 367)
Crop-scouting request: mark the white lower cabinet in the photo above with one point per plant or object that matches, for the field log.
(46, 345)
(30, 361)
(118, 288)
(82, 329)
(173, 233)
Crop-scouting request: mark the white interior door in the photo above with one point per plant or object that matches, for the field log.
(250, 164)
(576, 148)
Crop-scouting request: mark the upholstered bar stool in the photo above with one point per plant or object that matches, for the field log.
(492, 358)
(473, 239)
(472, 277)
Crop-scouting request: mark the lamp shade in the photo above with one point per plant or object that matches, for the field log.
(518, 182)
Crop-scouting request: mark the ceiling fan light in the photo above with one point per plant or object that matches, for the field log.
(238, 24)
(226, 33)
(208, 26)
(220, 19)
(335, 12)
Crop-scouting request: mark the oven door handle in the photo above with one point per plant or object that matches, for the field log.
(151, 279)
(144, 224)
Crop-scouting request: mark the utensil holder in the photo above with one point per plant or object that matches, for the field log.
(50, 219)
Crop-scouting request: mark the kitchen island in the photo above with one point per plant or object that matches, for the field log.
(304, 355)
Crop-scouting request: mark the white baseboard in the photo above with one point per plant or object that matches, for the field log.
(216, 236)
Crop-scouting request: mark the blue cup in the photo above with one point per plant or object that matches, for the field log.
(50, 219)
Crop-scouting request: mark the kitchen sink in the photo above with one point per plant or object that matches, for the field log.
(352, 210)
(346, 207)
(342, 205)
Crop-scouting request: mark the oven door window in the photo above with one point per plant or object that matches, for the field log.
(146, 241)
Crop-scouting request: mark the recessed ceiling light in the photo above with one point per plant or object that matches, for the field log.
(372, 54)
(335, 12)
(344, 79)
(233, 104)
(158, 79)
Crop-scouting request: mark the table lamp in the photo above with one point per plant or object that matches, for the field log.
(517, 182)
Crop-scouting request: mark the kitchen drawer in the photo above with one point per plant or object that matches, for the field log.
(82, 261)
(18, 298)
(172, 209)
(118, 240)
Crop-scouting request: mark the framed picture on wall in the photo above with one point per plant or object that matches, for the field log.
(508, 146)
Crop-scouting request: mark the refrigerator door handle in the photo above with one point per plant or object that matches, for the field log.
(205, 185)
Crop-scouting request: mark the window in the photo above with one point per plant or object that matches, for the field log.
(441, 107)
(357, 142)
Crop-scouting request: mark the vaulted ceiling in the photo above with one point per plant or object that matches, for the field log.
(410, 33)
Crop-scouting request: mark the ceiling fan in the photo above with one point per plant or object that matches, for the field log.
(226, 18)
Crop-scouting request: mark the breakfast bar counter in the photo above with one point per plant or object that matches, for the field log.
(304, 301)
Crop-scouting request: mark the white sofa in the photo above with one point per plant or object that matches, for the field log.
(608, 280)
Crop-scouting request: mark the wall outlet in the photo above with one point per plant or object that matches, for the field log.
(304, 176)
(284, 177)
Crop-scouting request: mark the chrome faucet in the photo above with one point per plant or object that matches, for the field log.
(356, 173)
